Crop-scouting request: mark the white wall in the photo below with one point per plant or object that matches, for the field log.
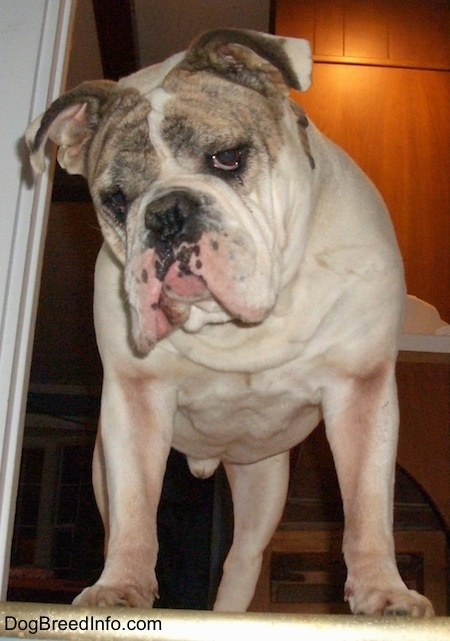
(33, 43)
(167, 27)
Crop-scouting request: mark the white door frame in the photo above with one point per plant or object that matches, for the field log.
(33, 46)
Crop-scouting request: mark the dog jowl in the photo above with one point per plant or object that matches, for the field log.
(249, 286)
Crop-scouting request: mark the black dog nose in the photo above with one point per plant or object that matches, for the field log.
(170, 216)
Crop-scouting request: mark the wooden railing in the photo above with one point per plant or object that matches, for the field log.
(51, 622)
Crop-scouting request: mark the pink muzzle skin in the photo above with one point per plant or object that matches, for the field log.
(159, 306)
(161, 302)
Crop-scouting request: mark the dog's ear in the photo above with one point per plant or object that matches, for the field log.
(254, 59)
(70, 123)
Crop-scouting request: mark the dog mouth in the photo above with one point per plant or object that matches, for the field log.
(161, 291)
(194, 262)
(181, 286)
(214, 275)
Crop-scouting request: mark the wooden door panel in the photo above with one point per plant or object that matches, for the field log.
(394, 123)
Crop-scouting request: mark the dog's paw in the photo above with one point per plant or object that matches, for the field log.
(110, 596)
(390, 602)
(408, 603)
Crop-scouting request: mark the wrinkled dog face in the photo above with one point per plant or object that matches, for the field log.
(201, 233)
(181, 177)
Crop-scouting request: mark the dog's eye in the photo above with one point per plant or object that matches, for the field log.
(117, 205)
(227, 160)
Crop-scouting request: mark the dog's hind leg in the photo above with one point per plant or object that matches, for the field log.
(259, 493)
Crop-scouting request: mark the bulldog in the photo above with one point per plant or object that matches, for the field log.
(249, 286)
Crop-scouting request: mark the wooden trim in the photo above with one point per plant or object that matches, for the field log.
(116, 36)
(272, 16)
(378, 62)
(424, 348)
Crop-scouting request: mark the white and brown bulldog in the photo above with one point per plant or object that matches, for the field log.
(249, 285)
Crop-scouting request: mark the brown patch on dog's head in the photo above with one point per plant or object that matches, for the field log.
(253, 59)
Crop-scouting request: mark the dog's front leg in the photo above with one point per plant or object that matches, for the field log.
(259, 494)
(361, 416)
(130, 461)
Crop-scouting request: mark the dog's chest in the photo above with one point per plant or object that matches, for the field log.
(243, 417)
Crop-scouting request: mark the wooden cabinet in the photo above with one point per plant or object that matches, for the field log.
(413, 33)
(303, 571)
(381, 90)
